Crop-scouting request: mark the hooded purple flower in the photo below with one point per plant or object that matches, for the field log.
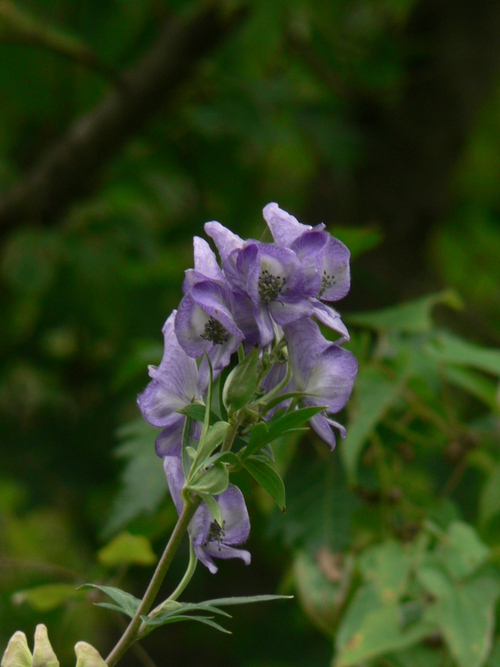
(323, 371)
(174, 385)
(205, 266)
(273, 279)
(204, 323)
(208, 538)
(325, 261)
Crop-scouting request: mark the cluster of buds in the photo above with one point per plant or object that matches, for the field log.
(260, 307)
(18, 654)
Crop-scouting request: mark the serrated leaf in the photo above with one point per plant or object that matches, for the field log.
(125, 602)
(374, 394)
(47, 596)
(268, 479)
(143, 484)
(127, 549)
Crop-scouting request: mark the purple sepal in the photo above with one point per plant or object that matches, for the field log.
(284, 227)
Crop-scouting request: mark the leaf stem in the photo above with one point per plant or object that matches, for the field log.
(131, 633)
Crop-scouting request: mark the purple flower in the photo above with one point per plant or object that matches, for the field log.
(273, 279)
(204, 323)
(208, 538)
(284, 227)
(205, 266)
(174, 385)
(323, 371)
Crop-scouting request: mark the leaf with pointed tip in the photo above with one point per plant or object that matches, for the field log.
(268, 479)
(126, 603)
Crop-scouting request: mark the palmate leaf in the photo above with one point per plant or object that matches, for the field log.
(183, 611)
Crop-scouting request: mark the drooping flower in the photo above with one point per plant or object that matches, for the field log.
(209, 539)
(273, 279)
(205, 324)
(323, 371)
(174, 385)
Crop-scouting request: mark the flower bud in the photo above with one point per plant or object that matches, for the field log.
(43, 653)
(241, 383)
(88, 656)
(17, 653)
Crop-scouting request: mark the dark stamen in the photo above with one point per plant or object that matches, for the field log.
(270, 287)
(215, 332)
(327, 281)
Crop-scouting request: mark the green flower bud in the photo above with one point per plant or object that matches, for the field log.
(17, 653)
(88, 656)
(241, 382)
(43, 653)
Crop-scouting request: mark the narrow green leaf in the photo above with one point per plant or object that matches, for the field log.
(268, 479)
(247, 599)
(214, 436)
(127, 603)
(213, 507)
(292, 420)
(449, 349)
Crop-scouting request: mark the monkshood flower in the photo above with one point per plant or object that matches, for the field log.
(204, 323)
(325, 261)
(205, 266)
(273, 279)
(323, 371)
(208, 538)
(174, 385)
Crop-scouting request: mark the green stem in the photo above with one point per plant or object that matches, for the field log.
(131, 633)
(232, 432)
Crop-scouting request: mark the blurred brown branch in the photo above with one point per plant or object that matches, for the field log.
(70, 169)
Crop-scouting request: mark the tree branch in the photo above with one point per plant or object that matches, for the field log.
(69, 170)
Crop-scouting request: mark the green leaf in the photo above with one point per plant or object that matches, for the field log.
(196, 412)
(291, 421)
(461, 550)
(320, 506)
(47, 596)
(143, 485)
(374, 394)
(474, 383)
(245, 599)
(214, 481)
(213, 507)
(489, 502)
(241, 382)
(371, 628)
(465, 615)
(127, 549)
(449, 349)
(387, 566)
(412, 317)
(212, 439)
(125, 602)
(268, 479)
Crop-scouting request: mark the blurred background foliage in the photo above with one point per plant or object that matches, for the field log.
(124, 126)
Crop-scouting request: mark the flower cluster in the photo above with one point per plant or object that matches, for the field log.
(266, 296)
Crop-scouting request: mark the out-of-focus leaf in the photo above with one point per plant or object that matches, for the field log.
(320, 506)
(489, 501)
(373, 395)
(322, 584)
(127, 549)
(358, 240)
(412, 317)
(483, 388)
(461, 550)
(449, 349)
(387, 567)
(47, 596)
(371, 628)
(143, 480)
